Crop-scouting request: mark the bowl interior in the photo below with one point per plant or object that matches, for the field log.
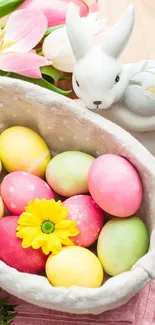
(65, 125)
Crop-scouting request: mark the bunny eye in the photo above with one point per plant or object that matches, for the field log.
(77, 83)
(117, 78)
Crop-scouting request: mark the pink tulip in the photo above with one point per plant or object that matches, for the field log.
(23, 31)
(55, 10)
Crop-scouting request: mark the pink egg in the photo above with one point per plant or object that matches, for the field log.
(19, 188)
(115, 185)
(26, 260)
(89, 218)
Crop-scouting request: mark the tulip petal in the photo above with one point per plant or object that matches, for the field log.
(24, 64)
(82, 5)
(92, 4)
(25, 28)
(57, 48)
(55, 10)
(33, 51)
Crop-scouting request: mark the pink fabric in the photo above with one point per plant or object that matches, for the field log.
(140, 310)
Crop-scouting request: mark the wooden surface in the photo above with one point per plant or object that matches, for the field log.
(142, 42)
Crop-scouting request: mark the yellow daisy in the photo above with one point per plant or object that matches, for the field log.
(44, 225)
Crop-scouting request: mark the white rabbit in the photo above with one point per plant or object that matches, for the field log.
(99, 78)
(101, 81)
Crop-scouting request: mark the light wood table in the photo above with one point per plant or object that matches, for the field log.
(142, 43)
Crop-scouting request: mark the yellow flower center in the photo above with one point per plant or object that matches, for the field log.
(47, 227)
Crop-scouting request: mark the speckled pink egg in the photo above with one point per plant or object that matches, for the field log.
(19, 188)
(115, 185)
(27, 260)
(89, 218)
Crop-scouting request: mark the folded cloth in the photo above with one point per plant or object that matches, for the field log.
(140, 310)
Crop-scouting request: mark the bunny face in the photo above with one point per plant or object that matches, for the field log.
(108, 80)
(98, 77)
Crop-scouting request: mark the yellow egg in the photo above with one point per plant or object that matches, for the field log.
(22, 149)
(74, 266)
(1, 208)
(0, 166)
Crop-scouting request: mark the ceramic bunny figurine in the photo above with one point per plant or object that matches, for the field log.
(125, 93)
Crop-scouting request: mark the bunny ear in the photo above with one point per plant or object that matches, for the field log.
(78, 33)
(116, 38)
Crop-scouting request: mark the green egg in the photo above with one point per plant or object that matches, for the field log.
(67, 173)
(121, 243)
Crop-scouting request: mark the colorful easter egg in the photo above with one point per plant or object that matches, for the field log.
(23, 149)
(26, 260)
(115, 185)
(121, 243)
(89, 218)
(67, 173)
(19, 188)
(74, 266)
(1, 208)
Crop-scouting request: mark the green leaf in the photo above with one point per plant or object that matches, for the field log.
(3, 312)
(9, 307)
(7, 6)
(6, 323)
(39, 50)
(2, 302)
(40, 82)
(3, 73)
(11, 316)
(51, 72)
(45, 84)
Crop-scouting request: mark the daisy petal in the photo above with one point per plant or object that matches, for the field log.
(26, 243)
(25, 28)
(39, 241)
(73, 232)
(67, 242)
(63, 214)
(54, 244)
(45, 249)
(27, 64)
(47, 209)
(34, 208)
(18, 234)
(54, 211)
(64, 224)
(27, 219)
(29, 232)
(62, 233)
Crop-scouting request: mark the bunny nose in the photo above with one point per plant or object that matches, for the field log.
(97, 102)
